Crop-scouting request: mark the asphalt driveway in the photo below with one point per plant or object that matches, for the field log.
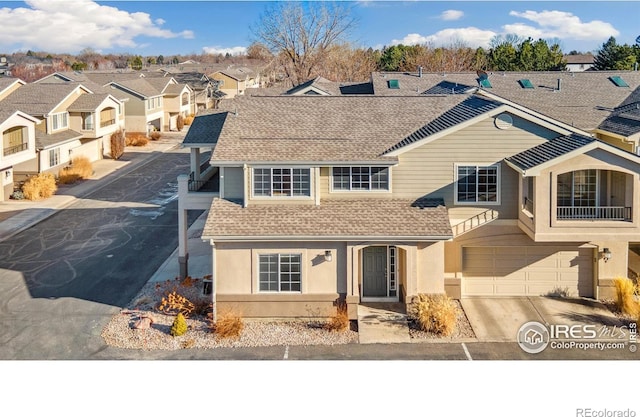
(499, 319)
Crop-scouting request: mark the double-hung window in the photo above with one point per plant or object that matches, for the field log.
(477, 184)
(280, 272)
(360, 178)
(281, 182)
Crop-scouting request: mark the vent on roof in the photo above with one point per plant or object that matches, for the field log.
(525, 83)
(395, 84)
(617, 80)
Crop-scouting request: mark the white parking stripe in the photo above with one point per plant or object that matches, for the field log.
(286, 352)
(466, 351)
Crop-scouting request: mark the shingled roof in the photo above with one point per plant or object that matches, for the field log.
(584, 100)
(323, 128)
(334, 219)
(87, 102)
(44, 140)
(39, 99)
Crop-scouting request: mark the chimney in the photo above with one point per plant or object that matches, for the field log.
(420, 71)
(559, 84)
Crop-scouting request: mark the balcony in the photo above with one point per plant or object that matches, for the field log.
(594, 213)
(10, 150)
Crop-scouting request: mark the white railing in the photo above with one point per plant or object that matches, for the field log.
(475, 221)
(594, 213)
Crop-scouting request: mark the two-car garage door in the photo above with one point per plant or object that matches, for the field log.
(530, 270)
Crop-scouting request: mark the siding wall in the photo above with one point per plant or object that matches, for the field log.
(429, 170)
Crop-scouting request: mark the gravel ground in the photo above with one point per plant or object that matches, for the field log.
(120, 332)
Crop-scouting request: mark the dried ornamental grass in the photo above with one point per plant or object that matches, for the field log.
(228, 324)
(339, 321)
(80, 168)
(39, 186)
(436, 313)
(625, 297)
(136, 139)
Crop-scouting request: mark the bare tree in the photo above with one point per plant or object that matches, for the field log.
(302, 33)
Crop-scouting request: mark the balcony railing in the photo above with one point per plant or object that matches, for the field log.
(15, 149)
(106, 123)
(594, 213)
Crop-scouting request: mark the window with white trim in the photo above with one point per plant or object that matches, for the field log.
(87, 120)
(54, 157)
(280, 272)
(282, 182)
(477, 184)
(360, 178)
(59, 121)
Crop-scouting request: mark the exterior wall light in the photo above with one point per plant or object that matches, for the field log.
(328, 256)
(605, 255)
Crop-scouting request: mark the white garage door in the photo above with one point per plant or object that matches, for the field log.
(531, 270)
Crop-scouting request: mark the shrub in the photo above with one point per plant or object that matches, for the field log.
(624, 297)
(436, 313)
(136, 139)
(188, 120)
(17, 195)
(174, 303)
(39, 186)
(80, 168)
(338, 322)
(229, 324)
(117, 144)
(180, 122)
(155, 135)
(179, 326)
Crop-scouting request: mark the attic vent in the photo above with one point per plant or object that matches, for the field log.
(503, 121)
(484, 82)
(395, 84)
(525, 83)
(618, 81)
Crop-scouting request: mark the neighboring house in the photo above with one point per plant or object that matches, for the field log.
(323, 87)
(152, 102)
(144, 108)
(579, 62)
(74, 122)
(9, 85)
(176, 99)
(206, 93)
(234, 81)
(18, 145)
(428, 185)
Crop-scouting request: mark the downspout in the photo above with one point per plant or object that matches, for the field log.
(214, 309)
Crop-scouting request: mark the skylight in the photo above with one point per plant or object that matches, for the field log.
(484, 82)
(395, 84)
(525, 83)
(617, 80)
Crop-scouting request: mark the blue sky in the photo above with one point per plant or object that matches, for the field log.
(183, 27)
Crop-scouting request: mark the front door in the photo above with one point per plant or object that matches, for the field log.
(374, 272)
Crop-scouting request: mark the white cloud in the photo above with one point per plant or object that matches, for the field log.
(215, 50)
(451, 15)
(547, 24)
(79, 24)
(562, 25)
(470, 36)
